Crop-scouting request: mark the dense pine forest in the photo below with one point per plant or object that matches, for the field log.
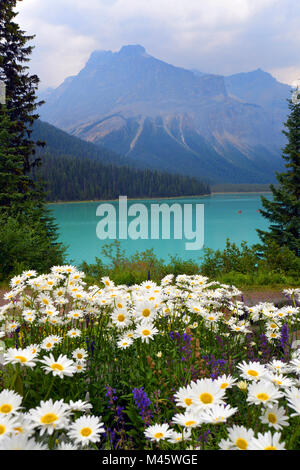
(75, 170)
(68, 178)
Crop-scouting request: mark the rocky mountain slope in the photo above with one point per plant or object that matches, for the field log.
(224, 129)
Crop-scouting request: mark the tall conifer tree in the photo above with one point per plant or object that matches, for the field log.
(283, 211)
(21, 197)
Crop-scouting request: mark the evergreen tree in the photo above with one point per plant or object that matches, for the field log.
(283, 211)
(21, 197)
(13, 182)
(21, 87)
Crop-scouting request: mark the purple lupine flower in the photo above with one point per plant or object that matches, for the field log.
(110, 394)
(183, 343)
(143, 403)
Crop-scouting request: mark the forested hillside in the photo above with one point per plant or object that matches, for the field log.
(69, 178)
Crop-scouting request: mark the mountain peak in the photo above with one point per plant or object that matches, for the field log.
(132, 50)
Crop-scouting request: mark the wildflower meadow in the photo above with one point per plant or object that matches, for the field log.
(178, 365)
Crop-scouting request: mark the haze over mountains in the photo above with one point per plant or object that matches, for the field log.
(223, 129)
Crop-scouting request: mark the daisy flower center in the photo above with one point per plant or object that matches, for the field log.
(79, 356)
(262, 396)
(188, 401)
(21, 358)
(158, 435)
(2, 429)
(56, 366)
(85, 432)
(272, 418)
(206, 398)
(190, 423)
(6, 408)
(49, 418)
(18, 429)
(146, 332)
(119, 305)
(224, 385)
(146, 312)
(270, 448)
(121, 317)
(253, 373)
(241, 443)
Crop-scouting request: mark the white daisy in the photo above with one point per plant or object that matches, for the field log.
(7, 425)
(80, 405)
(66, 446)
(50, 416)
(80, 366)
(252, 370)
(295, 366)
(278, 366)
(86, 429)
(10, 402)
(121, 318)
(25, 357)
(61, 367)
(74, 333)
(206, 393)
(80, 355)
(280, 380)
(12, 326)
(158, 432)
(240, 437)
(184, 397)
(146, 331)
(225, 381)
(217, 414)
(189, 419)
(21, 442)
(176, 437)
(226, 444)
(124, 343)
(293, 398)
(275, 417)
(146, 310)
(263, 392)
(75, 314)
(267, 441)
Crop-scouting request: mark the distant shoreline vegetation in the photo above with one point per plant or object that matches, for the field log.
(240, 188)
(158, 197)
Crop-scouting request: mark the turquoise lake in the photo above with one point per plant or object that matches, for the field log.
(233, 216)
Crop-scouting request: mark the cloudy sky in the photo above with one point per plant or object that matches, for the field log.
(215, 36)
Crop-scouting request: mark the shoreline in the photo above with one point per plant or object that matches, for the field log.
(157, 198)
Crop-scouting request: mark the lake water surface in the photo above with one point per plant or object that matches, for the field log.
(233, 216)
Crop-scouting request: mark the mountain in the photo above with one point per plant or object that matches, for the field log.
(224, 129)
